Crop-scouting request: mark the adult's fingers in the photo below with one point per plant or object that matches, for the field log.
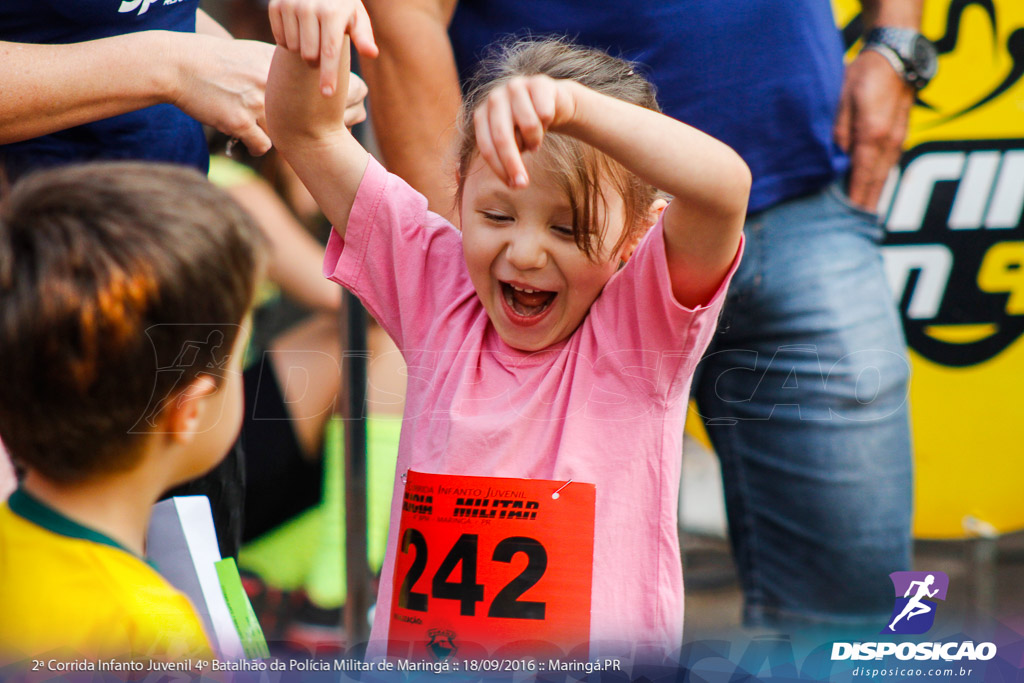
(875, 142)
(354, 115)
(290, 24)
(255, 139)
(868, 171)
(362, 32)
(871, 124)
(844, 117)
(277, 23)
(357, 90)
(309, 36)
(332, 42)
(355, 109)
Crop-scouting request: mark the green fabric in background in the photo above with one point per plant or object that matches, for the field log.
(308, 551)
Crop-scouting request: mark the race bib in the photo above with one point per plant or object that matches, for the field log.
(489, 565)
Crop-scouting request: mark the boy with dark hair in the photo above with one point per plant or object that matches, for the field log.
(123, 289)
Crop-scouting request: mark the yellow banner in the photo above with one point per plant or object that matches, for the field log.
(955, 258)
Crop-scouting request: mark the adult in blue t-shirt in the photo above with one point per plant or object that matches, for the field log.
(123, 79)
(804, 389)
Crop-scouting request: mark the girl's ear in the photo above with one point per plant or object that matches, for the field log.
(653, 214)
(628, 247)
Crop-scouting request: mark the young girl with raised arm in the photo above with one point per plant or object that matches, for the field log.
(550, 343)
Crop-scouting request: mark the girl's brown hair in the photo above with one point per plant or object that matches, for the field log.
(579, 166)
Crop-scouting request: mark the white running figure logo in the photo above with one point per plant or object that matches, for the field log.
(915, 606)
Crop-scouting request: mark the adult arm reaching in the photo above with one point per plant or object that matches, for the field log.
(416, 94)
(218, 81)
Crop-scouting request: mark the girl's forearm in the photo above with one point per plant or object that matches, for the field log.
(296, 108)
(695, 168)
(309, 130)
(709, 182)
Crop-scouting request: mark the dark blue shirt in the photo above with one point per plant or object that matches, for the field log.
(159, 133)
(761, 75)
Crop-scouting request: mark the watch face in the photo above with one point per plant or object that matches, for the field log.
(924, 58)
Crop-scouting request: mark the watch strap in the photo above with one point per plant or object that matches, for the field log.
(898, 45)
(890, 56)
(897, 38)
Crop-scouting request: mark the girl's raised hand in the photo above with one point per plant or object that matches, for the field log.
(316, 29)
(514, 118)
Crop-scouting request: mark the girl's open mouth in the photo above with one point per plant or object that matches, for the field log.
(526, 303)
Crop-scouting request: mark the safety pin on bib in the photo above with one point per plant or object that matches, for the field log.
(554, 496)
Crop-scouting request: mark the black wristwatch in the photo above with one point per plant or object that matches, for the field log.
(911, 54)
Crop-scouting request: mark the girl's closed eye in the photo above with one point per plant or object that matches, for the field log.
(563, 231)
(496, 218)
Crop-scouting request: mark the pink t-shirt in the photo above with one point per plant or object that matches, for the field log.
(606, 406)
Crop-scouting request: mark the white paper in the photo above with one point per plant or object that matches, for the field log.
(182, 543)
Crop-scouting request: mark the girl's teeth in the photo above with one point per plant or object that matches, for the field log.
(526, 302)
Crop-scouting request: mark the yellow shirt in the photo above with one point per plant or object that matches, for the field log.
(69, 592)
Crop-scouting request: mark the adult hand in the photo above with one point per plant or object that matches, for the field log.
(315, 30)
(222, 84)
(355, 109)
(871, 124)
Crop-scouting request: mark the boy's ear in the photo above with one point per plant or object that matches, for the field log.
(184, 414)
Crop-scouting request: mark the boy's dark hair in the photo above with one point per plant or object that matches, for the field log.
(580, 167)
(107, 272)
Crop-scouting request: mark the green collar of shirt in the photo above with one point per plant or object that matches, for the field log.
(27, 506)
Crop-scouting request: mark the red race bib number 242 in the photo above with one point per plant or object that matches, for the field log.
(488, 565)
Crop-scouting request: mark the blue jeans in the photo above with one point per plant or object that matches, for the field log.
(804, 392)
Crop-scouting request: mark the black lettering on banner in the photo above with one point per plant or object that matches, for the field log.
(466, 590)
(506, 602)
(406, 597)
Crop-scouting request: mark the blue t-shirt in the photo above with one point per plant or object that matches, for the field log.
(159, 133)
(761, 75)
